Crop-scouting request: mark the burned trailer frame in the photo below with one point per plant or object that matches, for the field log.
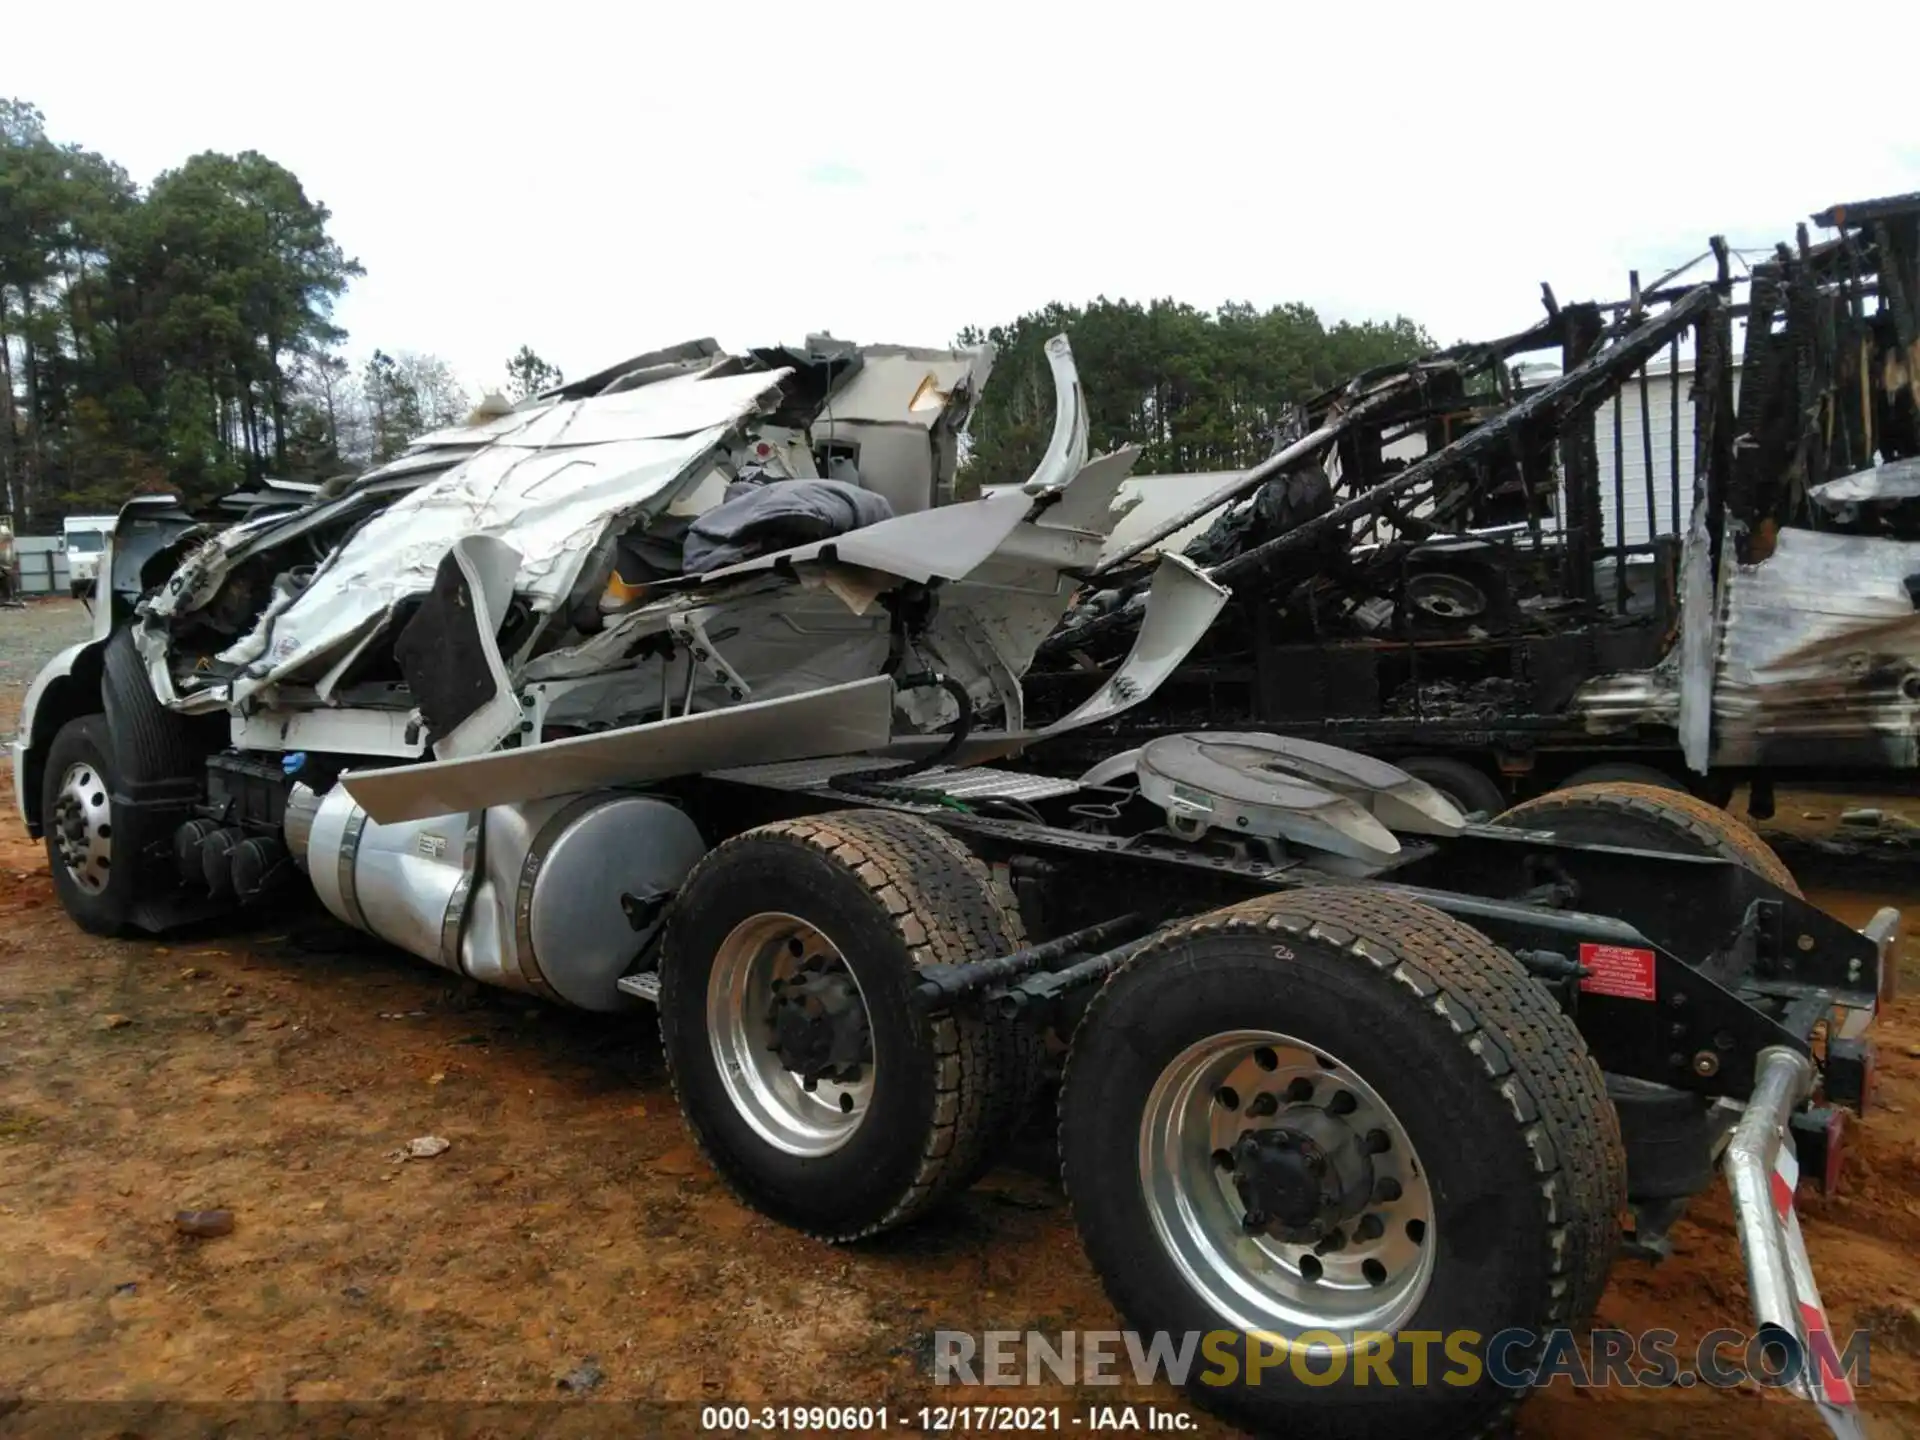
(1533, 620)
(1510, 601)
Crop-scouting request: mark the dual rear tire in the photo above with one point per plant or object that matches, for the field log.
(817, 1085)
(1299, 1135)
(1485, 1195)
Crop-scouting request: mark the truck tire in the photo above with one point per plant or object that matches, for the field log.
(1467, 786)
(1648, 817)
(1426, 1102)
(1621, 772)
(77, 785)
(158, 761)
(791, 952)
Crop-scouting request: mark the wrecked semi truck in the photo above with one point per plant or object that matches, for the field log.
(685, 685)
(1554, 558)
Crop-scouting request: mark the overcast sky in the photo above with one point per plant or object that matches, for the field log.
(598, 181)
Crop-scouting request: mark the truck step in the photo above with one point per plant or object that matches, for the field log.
(645, 986)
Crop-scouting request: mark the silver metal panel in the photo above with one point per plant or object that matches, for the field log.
(1205, 782)
(490, 946)
(337, 731)
(980, 783)
(404, 879)
(1820, 643)
(971, 783)
(1699, 636)
(797, 774)
(947, 542)
(326, 836)
(573, 881)
(1181, 605)
(843, 719)
(1246, 762)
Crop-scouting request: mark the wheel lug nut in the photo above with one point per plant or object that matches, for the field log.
(1254, 1220)
(1263, 1105)
(1386, 1191)
(1334, 1242)
(1369, 1228)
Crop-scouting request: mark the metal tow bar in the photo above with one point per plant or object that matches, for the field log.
(1762, 1172)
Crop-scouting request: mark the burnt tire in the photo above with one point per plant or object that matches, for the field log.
(888, 893)
(1504, 1111)
(1647, 817)
(77, 785)
(1467, 786)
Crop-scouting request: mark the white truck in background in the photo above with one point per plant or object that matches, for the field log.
(86, 539)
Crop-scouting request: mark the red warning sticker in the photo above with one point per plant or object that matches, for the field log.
(1618, 970)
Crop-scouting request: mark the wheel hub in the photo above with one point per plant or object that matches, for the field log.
(82, 827)
(1300, 1179)
(820, 1026)
(791, 1034)
(1285, 1189)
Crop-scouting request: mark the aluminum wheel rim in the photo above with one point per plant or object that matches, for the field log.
(771, 1098)
(1256, 1282)
(83, 827)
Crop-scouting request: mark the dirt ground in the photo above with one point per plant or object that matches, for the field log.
(570, 1247)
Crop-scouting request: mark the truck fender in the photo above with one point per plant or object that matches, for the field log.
(67, 687)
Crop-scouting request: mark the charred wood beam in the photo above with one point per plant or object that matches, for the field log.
(1477, 354)
(1580, 469)
(1813, 374)
(1860, 212)
(1760, 378)
(1468, 358)
(1893, 286)
(1673, 434)
(1646, 446)
(1573, 397)
(1620, 496)
(1674, 274)
(1381, 401)
(1713, 412)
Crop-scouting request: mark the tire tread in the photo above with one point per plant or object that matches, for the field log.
(947, 910)
(1713, 829)
(1531, 1053)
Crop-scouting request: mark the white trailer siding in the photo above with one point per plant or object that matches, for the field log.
(1633, 469)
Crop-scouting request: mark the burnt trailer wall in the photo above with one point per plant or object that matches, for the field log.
(1488, 552)
(1452, 564)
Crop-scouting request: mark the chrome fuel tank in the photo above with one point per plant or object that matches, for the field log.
(553, 897)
